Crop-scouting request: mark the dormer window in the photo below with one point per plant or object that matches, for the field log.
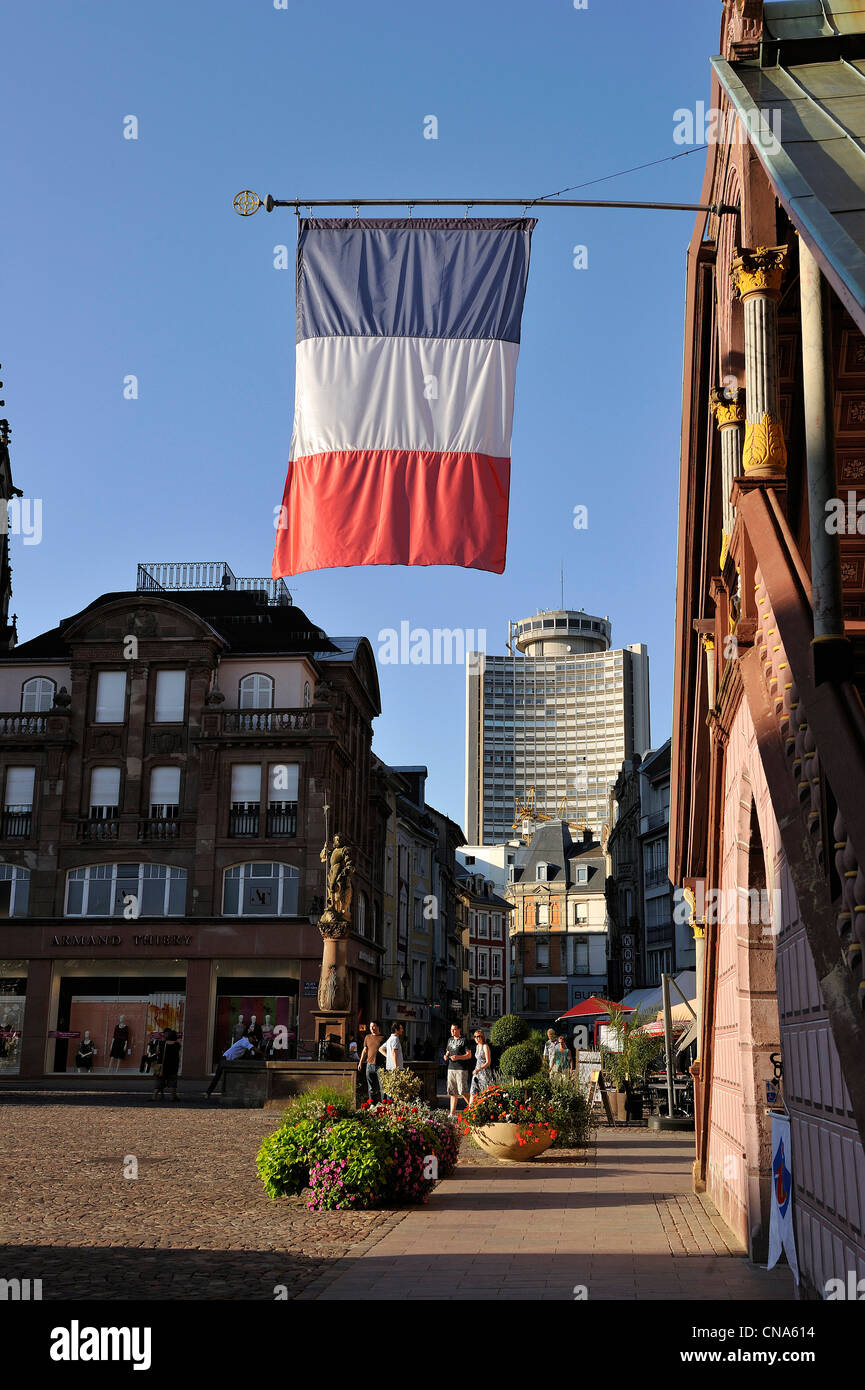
(37, 695)
(256, 692)
(541, 873)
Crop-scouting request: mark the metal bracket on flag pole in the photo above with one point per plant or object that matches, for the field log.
(246, 203)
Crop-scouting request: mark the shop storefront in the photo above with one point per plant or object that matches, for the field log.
(13, 998)
(106, 1016)
(258, 995)
(415, 1021)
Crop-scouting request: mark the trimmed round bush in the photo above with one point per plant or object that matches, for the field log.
(509, 1030)
(520, 1061)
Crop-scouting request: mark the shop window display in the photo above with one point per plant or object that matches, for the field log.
(257, 1016)
(12, 1001)
(113, 1032)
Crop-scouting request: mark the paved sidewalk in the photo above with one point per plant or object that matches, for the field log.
(622, 1223)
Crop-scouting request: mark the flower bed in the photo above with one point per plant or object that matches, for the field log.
(381, 1155)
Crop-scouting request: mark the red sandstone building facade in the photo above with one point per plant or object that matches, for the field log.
(166, 758)
(768, 767)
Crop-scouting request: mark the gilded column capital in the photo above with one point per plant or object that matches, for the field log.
(727, 412)
(758, 270)
(708, 642)
(764, 450)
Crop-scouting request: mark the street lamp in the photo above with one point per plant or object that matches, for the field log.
(405, 981)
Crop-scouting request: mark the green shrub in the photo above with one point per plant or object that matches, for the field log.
(368, 1153)
(313, 1105)
(538, 1040)
(520, 1061)
(570, 1111)
(401, 1085)
(285, 1156)
(509, 1030)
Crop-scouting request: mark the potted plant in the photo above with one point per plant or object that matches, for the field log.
(626, 1063)
(509, 1123)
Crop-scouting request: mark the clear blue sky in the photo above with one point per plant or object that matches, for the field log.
(126, 257)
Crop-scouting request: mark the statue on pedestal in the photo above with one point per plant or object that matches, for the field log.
(334, 925)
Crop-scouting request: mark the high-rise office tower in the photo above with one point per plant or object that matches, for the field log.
(558, 714)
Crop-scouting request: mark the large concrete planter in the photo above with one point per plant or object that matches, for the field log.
(502, 1141)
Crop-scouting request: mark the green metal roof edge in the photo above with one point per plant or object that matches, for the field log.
(841, 259)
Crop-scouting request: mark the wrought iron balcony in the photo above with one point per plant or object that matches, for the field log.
(159, 576)
(243, 820)
(16, 825)
(282, 818)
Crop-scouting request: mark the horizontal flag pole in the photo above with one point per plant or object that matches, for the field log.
(247, 202)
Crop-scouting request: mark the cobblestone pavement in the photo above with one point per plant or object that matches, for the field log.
(620, 1222)
(196, 1223)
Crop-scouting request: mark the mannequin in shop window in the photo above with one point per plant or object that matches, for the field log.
(254, 1032)
(85, 1055)
(239, 1030)
(120, 1043)
(267, 1036)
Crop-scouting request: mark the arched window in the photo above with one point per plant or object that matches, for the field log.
(256, 692)
(126, 890)
(260, 890)
(14, 890)
(307, 695)
(37, 694)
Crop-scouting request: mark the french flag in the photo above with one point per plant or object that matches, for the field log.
(408, 333)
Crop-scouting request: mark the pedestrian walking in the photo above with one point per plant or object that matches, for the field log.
(550, 1049)
(392, 1049)
(167, 1064)
(482, 1074)
(458, 1056)
(244, 1049)
(562, 1065)
(369, 1059)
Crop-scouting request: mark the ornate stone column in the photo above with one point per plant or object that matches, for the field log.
(729, 412)
(756, 275)
(334, 988)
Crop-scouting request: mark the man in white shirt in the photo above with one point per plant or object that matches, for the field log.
(392, 1049)
(243, 1048)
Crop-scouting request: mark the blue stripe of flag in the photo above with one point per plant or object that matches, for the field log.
(413, 277)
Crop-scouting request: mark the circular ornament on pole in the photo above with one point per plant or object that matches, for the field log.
(246, 203)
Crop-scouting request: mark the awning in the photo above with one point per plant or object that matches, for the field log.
(805, 117)
(656, 1028)
(681, 1013)
(592, 1008)
(652, 998)
(688, 1037)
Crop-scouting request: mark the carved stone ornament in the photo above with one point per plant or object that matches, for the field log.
(764, 450)
(727, 412)
(758, 270)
